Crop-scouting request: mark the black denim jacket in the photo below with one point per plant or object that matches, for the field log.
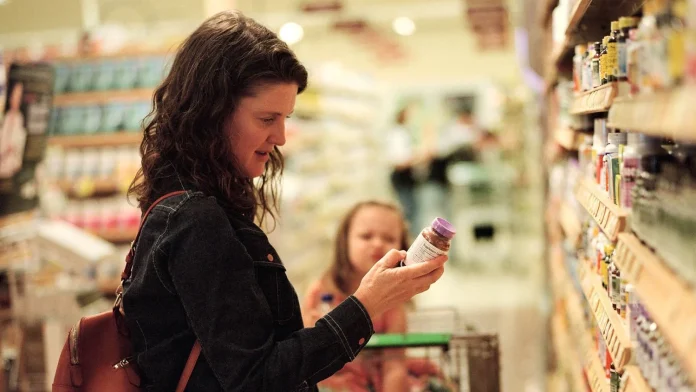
(203, 272)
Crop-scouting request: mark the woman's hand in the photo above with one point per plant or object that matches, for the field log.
(385, 287)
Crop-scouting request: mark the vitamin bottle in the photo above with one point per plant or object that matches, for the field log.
(603, 61)
(599, 143)
(612, 52)
(577, 67)
(432, 242)
(606, 262)
(596, 77)
(611, 161)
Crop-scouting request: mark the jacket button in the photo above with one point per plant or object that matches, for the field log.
(270, 257)
(361, 341)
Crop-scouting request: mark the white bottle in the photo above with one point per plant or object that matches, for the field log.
(611, 162)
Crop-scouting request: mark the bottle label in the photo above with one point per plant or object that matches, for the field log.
(616, 291)
(421, 251)
(596, 80)
(629, 172)
(622, 54)
(611, 59)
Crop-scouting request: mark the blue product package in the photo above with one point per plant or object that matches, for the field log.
(53, 121)
(113, 116)
(106, 75)
(151, 71)
(71, 120)
(126, 74)
(82, 77)
(63, 70)
(135, 114)
(92, 121)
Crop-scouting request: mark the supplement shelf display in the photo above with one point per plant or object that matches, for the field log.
(596, 100)
(633, 381)
(568, 139)
(610, 324)
(670, 301)
(102, 97)
(665, 113)
(114, 139)
(610, 217)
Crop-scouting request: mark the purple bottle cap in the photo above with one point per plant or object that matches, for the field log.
(444, 228)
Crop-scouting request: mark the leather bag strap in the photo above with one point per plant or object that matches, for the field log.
(131, 253)
(188, 369)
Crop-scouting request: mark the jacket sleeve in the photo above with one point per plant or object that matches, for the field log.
(215, 279)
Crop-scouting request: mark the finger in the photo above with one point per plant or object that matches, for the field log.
(430, 278)
(392, 258)
(420, 269)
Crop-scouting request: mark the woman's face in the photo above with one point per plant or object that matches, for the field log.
(258, 125)
(373, 231)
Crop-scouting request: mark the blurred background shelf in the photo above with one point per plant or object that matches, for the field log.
(102, 97)
(114, 139)
(610, 217)
(119, 236)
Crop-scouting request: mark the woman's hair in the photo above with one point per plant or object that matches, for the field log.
(341, 270)
(230, 56)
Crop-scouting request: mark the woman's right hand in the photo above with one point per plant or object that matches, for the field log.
(385, 287)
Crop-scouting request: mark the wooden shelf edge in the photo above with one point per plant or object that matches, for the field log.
(101, 97)
(669, 300)
(597, 205)
(111, 139)
(633, 380)
(601, 97)
(595, 373)
(576, 15)
(612, 328)
(663, 113)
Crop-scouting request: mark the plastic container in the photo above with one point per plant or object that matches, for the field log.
(611, 163)
(629, 169)
(432, 242)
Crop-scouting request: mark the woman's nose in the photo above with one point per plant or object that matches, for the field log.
(277, 136)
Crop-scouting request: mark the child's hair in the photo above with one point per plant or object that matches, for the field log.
(341, 269)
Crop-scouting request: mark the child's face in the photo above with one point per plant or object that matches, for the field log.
(373, 232)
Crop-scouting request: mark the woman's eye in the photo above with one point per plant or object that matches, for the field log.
(268, 120)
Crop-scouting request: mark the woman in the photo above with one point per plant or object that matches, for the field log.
(203, 269)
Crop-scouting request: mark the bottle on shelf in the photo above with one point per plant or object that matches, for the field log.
(604, 61)
(611, 163)
(580, 51)
(599, 143)
(626, 23)
(596, 75)
(612, 52)
(629, 169)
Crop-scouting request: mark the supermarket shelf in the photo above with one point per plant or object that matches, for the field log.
(610, 217)
(83, 188)
(666, 113)
(590, 20)
(595, 373)
(122, 54)
(633, 381)
(598, 99)
(610, 324)
(101, 97)
(568, 139)
(117, 235)
(118, 138)
(571, 224)
(670, 301)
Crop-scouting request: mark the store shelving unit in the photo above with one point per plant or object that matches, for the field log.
(102, 97)
(596, 100)
(633, 381)
(671, 303)
(609, 322)
(610, 217)
(114, 139)
(562, 342)
(665, 113)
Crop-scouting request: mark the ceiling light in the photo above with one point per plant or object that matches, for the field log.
(403, 26)
(291, 33)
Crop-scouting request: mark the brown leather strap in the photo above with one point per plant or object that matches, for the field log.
(131, 253)
(188, 369)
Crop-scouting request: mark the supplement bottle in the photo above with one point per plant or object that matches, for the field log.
(596, 77)
(629, 169)
(611, 162)
(432, 242)
(612, 52)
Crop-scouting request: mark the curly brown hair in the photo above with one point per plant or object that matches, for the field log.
(341, 270)
(228, 57)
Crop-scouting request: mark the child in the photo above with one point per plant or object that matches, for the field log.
(368, 231)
